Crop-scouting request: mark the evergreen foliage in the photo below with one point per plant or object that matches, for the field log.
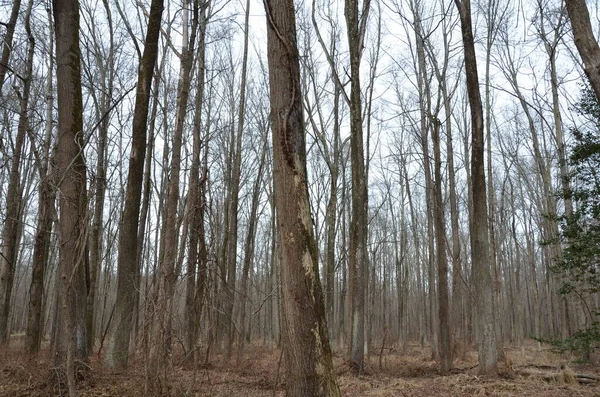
(580, 232)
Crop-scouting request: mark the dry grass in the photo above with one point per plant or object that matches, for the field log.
(409, 373)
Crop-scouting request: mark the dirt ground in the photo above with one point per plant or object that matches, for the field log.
(409, 373)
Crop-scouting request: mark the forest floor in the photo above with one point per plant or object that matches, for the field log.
(527, 372)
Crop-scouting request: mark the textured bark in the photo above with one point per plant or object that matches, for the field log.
(117, 351)
(145, 208)
(586, 42)
(70, 333)
(46, 208)
(356, 25)
(308, 357)
(480, 250)
(196, 272)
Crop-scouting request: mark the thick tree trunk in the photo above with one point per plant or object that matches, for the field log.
(586, 42)
(117, 352)
(70, 333)
(305, 341)
(480, 250)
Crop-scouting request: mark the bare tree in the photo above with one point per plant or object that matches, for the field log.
(46, 209)
(70, 333)
(234, 193)
(480, 250)
(442, 262)
(11, 230)
(117, 352)
(305, 341)
(356, 24)
(106, 67)
(161, 334)
(197, 253)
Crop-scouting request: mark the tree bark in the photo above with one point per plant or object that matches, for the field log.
(46, 209)
(196, 272)
(234, 198)
(442, 262)
(332, 211)
(356, 26)
(107, 78)
(585, 41)
(480, 250)
(168, 268)
(70, 333)
(117, 351)
(305, 340)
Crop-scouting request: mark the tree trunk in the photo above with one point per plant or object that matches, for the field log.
(480, 250)
(305, 340)
(70, 334)
(167, 269)
(8, 41)
(106, 79)
(425, 125)
(117, 351)
(234, 198)
(249, 251)
(492, 12)
(196, 259)
(442, 263)
(47, 195)
(356, 26)
(332, 210)
(586, 42)
(10, 231)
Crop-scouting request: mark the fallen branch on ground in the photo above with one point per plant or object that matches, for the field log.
(553, 374)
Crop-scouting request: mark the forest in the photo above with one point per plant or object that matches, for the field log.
(299, 198)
